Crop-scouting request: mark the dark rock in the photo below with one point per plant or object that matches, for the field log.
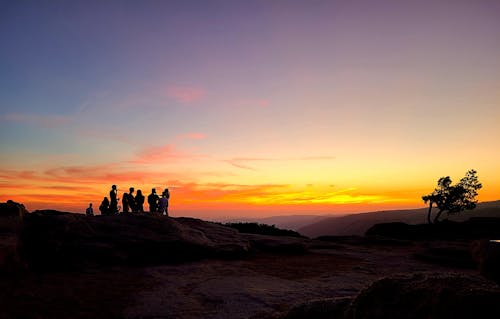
(277, 244)
(486, 254)
(11, 221)
(49, 212)
(392, 230)
(62, 241)
(365, 241)
(447, 255)
(439, 296)
(427, 296)
(474, 228)
(332, 308)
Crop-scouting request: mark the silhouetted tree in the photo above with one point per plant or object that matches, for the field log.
(453, 198)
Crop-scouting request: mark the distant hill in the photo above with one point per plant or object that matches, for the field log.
(358, 224)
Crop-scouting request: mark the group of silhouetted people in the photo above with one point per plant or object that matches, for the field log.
(134, 204)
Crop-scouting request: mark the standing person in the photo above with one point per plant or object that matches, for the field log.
(139, 202)
(89, 211)
(104, 207)
(167, 196)
(153, 199)
(113, 206)
(128, 200)
(162, 204)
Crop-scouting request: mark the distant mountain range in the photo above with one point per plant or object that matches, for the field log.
(357, 224)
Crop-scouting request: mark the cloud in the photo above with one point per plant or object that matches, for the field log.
(156, 154)
(78, 175)
(38, 119)
(161, 154)
(192, 136)
(73, 187)
(185, 94)
(316, 158)
(242, 162)
(223, 192)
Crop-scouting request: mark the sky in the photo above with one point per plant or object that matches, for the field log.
(248, 108)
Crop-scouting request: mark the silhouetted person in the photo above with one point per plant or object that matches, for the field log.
(162, 204)
(125, 203)
(167, 196)
(139, 202)
(153, 199)
(89, 211)
(104, 207)
(113, 197)
(128, 200)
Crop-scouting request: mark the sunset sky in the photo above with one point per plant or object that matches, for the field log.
(248, 108)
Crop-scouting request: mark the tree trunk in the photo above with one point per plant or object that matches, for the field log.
(429, 213)
(436, 219)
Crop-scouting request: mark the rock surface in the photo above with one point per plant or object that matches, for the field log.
(67, 241)
(11, 221)
(143, 266)
(474, 228)
(53, 240)
(415, 296)
(486, 254)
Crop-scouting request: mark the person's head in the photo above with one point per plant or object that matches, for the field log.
(113, 187)
(153, 190)
(139, 192)
(90, 205)
(131, 189)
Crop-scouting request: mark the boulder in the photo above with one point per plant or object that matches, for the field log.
(427, 296)
(11, 221)
(330, 308)
(486, 254)
(424, 295)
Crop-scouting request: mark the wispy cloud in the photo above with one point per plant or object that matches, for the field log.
(161, 154)
(73, 187)
(244, 162)
(38, 119)
(192, 136)
(185, 94)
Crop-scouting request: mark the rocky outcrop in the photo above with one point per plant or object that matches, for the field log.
(11, 220)
(412, 297)
(54, 241)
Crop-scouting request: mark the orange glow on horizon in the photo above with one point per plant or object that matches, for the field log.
(211, 200)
